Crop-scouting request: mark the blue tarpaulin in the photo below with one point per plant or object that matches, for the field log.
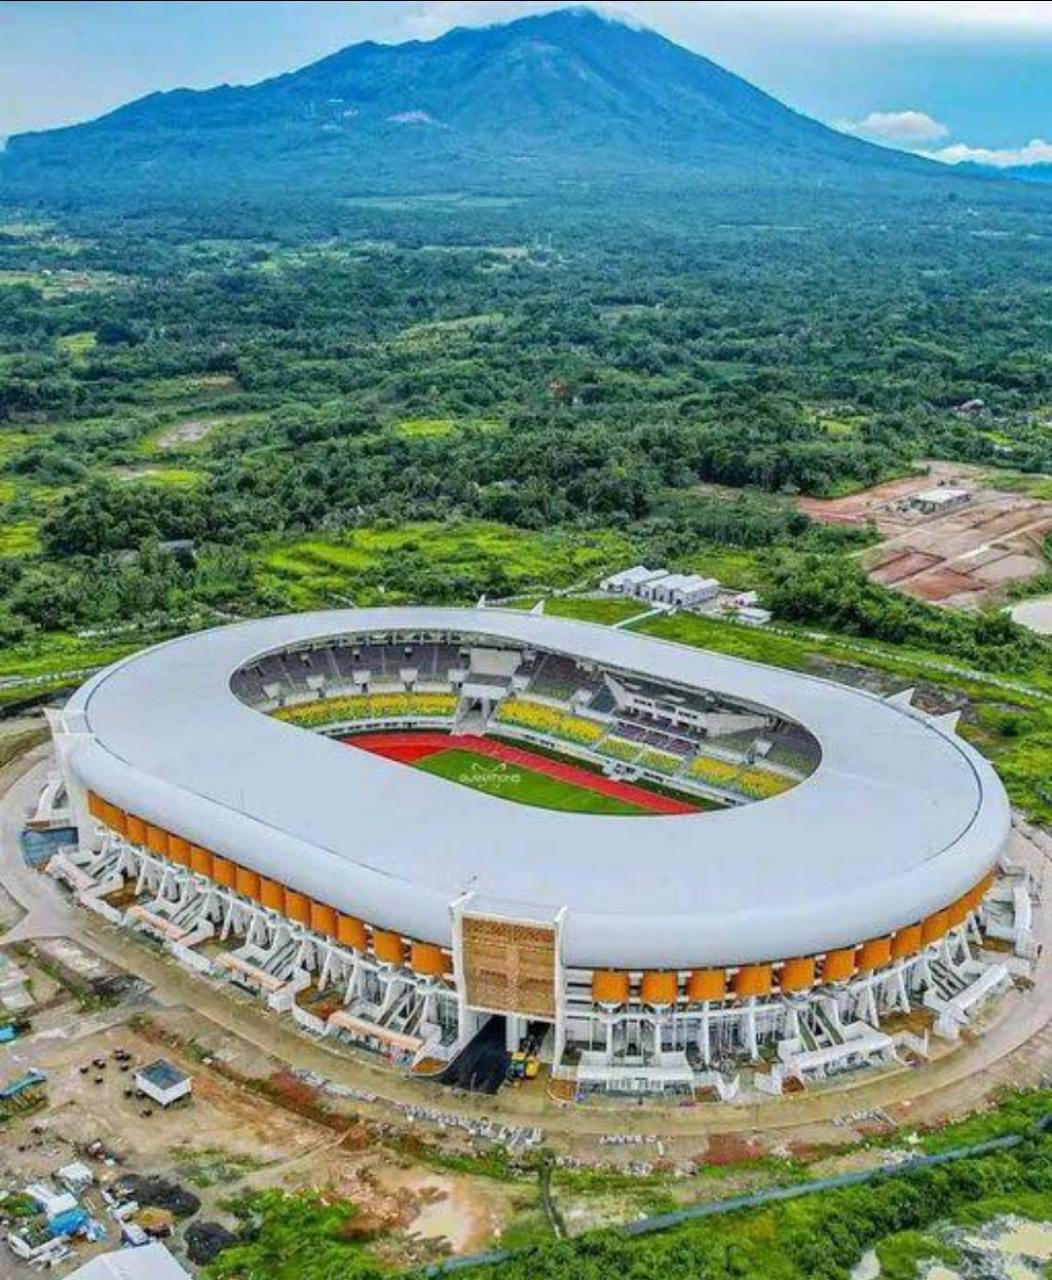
(68, 1223)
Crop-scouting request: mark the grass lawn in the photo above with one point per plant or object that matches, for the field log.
(77, 345)
(513, 782)
(432, 427)
(160, 475)
(376, 565)
(736, 567)
(1032, 484)
(19, 539)
(606, 610)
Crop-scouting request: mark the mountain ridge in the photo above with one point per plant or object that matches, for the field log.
(568, 95)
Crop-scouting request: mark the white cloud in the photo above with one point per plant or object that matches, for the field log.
(1036, 151)
(900, 128)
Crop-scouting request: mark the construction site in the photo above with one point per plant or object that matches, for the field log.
(948, 536)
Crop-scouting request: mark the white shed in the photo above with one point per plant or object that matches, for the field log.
(151, 1262)
(163, 1082)
(629, 582)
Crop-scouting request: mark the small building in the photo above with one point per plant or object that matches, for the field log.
(970, 408)
(754, 616)
(683, 590)
(694, 590)
(164, 1082)
(937, 501)
(151, 1262)
(75, 1177)
(629, 582)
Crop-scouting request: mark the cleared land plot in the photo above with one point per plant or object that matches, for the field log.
(519, 775)
(965, 557)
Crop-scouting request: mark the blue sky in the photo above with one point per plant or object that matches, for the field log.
(945, 78)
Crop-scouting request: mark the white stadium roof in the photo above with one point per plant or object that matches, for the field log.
(899, 818)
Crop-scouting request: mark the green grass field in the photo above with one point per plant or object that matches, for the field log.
(376, 564)
(513, 782)
(432, 427)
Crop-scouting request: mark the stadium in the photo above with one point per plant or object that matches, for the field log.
(442, 834)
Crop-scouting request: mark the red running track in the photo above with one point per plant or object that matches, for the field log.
(408, 748)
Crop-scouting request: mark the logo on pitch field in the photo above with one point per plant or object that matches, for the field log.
(493, 775)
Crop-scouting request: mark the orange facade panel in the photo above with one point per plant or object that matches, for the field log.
(425, 958)
(906, 942)
(178, 848)
(753, 980)
(136, 829)
(200, 860)
(271, 894)
(247, 882)
(388, 947)
(224, 872)
(957, 912)
(350, 932)
(659, 986)
(874, 954)
(706, 984)
(976, 895)
(157, 841)
(297, 906)
(96, 806)
(609, 986)
(934, 927)
(116, 819)
(797, 974)
(838, 966)
(323, 919)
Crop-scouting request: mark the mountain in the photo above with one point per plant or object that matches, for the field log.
(1040, 172)
(567, 97)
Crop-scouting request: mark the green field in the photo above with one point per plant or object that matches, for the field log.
(432, 427)
(513, 782)
(443, 562)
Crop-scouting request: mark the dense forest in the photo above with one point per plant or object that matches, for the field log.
(668, 385)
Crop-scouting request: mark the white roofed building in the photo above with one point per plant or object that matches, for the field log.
(150, 1262)
(629, 582)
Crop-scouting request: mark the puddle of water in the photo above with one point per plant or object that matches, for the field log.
(454, 1208)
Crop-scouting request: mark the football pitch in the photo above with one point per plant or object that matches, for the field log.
(516, 773)
(514, 782)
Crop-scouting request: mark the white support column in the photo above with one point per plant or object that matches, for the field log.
(902, 998)
(750, 1028)
(353, 980)
(326, 968)
(228, 919)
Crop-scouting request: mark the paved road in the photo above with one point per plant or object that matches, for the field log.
(1016, 1045)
